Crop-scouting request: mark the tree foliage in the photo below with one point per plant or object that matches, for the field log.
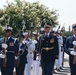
(67, 33)
(28, 15)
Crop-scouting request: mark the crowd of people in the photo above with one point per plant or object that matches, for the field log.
(46, 51)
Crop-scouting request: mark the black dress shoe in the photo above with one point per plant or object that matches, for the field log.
(60, 67)
(58, 70)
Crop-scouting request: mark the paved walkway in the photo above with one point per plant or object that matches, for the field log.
(64, 71)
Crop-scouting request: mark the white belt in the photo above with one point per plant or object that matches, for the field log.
(71, 49)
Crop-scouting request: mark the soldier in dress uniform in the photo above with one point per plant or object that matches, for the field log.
(48, 47)
(70, 49)
(9, 49)
(22, 60)
(36, 60)
(30, 49)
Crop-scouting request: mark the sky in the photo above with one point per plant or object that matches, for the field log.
(66, 9)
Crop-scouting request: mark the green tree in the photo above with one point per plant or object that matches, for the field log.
(1, 30)
(67, 33)
(29, 15)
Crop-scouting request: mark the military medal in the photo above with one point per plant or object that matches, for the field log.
(11, 44)
(51, 41)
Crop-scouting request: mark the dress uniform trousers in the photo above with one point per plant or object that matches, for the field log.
(10, 63)
(47, 68)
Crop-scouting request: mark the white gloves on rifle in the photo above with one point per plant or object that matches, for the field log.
(16, 57)
(3, 56)
(4, 45)
(73, 52)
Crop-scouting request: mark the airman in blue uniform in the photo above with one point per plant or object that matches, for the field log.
(9, 49)
(70, 49)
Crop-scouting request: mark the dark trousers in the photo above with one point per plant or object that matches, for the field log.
(47, 68)
(73, 69)
(10, 66)
(17, 71)
(9, 69)
(20, 69)
(3, 70)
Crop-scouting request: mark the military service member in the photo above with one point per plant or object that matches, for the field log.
(9, 49)
(48, 47)
(70, 49)
(36, 60)
(30, 49)
(22, 59)
(60, 59)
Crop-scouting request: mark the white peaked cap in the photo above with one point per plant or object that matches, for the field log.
(8, 28)
(25, 33)
(34, 32)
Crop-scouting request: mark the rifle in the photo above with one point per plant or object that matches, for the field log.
(58, 29)
(4, 52)
(17, 61)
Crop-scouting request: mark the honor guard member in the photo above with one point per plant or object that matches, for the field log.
(48, 47)
(22, 59)
(60, 58)
(36, 60)
(30, 49)
(70, 49)
(9, 50)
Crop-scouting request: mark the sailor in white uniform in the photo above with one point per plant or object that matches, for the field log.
(36, 58)
(60, 59)
(31, 48)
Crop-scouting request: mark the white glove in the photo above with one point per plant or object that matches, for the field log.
(73, 52)
(71, 49)
(74, 43)
(2, 56)
(4, 45)
(16, 57)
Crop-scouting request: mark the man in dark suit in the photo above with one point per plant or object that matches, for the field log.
(70, 50)
(48, 47)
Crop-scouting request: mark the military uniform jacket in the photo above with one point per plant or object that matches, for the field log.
(12, 49)
(69, 45)
(48, 42)
(23, 53)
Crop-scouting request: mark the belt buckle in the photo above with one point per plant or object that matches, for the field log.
(47, 49)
